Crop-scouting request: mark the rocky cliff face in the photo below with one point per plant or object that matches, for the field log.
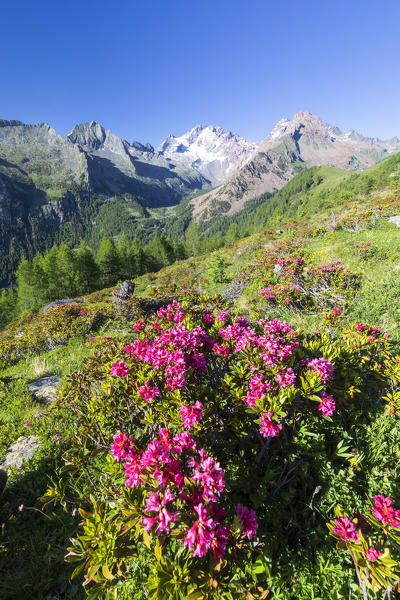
(292, 145)
(115, 166)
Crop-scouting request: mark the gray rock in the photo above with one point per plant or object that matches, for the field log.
(45, 388)
(395, 219)
(126, 290)
(63, 302)
(278, 269)
(23, 449)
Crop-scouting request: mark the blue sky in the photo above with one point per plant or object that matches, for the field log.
(146, 69)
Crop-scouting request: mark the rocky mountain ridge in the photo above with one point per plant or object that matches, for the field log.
(292, 145)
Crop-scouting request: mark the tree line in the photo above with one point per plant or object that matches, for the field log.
(63, 272)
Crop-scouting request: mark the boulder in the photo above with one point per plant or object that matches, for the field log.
(23, 449)
(395, 219)
(125, 291)
(63, 302)
(45, 388)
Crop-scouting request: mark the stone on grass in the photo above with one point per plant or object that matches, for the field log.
(23, 449)
(395, 219)
(45, 388)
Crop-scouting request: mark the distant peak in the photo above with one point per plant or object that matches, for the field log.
(90, 135)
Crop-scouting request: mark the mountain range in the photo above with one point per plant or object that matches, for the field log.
(55, 188)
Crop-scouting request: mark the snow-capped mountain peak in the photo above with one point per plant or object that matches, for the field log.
(213, 151)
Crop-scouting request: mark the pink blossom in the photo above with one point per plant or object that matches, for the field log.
(164, 518)
(322, 367)
(148, 392)
(133, 470)
(268, 427)
(221, 349)
(248, 520)
(286, 378)
(191, 414)
(207, 317)
(373, 554)
(119, 369)
(336, 311)
(223, 316)
(138, 326)
(218, 542)
(121, 447)
(176, 382)
(346, 529)
(209, 474)
(39, 415)
(27, 424)
(384, 511)
(327, 405)
(200, 535)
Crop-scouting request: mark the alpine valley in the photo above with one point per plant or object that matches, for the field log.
(89, 183)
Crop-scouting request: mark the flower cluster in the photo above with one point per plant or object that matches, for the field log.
(190, 487)
(368, 539)
(283, 294)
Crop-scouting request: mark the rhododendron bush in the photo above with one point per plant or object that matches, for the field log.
(284, 279)
(194, 430)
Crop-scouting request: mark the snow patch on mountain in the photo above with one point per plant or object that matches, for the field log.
(213, 151)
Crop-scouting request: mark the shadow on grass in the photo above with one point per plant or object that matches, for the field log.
(32, 547)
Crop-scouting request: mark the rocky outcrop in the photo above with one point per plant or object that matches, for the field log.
(45, 388)
(23, 449)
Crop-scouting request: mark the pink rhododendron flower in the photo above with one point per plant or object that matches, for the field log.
(222, 349)
(39, 415)
(336, 311)
(176, 382)
(346, 529)
(384, 511)
(138, 326)
(286, 378)
(373, 554)
(27, 424)
(268, 427)
(121, 447)
(322, 367)
(148, 392)
(207, 317)
(209, 474)
(119, 369)
(327, 405)
(133, 469)
(191, 414)
(200, 535)
(163, 516)
(223, 316)
(248, 520)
